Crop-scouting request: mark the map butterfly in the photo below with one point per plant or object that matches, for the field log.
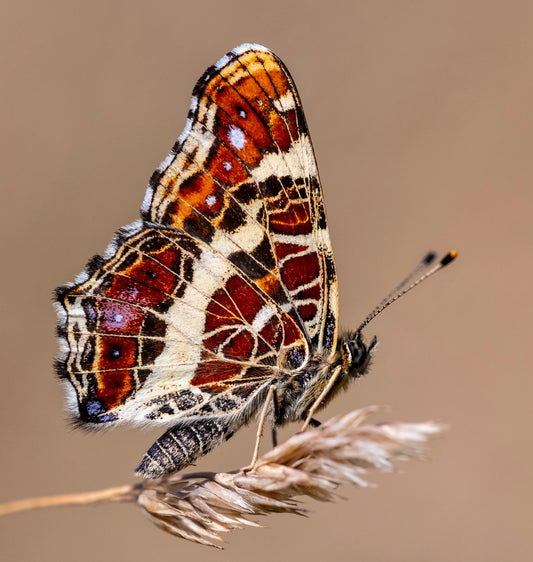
(226, 286)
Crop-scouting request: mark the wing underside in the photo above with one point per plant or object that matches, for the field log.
(228, 283)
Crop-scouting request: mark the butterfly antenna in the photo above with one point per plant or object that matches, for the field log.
(401, 289)
(426, 261)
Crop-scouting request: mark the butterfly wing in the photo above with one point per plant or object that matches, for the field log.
(163, 327)
(227, 284)
(243, 178)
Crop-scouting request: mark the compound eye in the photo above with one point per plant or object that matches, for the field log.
(358, 352)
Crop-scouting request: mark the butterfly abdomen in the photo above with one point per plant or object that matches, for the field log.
(182, 444)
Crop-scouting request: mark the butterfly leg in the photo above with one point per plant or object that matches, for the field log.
(271, 396)
(323, 394)
(181, 445)
(274, 432)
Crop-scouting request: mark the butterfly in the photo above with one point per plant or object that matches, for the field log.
(224, 290)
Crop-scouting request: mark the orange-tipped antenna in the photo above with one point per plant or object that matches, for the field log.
(401, 289)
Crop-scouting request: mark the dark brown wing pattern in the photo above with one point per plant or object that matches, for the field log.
(226, 285)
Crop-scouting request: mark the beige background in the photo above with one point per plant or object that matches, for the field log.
(422, 121)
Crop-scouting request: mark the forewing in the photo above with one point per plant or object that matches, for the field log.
(243, 178)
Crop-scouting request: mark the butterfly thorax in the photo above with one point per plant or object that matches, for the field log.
(303, 388)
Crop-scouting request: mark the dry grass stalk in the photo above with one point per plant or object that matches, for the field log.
(199, 507)
(313, 463)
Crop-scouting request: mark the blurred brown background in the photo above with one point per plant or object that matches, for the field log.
(422, 120)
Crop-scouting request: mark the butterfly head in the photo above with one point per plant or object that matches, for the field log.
(356, 354)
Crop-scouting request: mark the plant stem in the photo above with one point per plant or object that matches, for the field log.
(117, 494)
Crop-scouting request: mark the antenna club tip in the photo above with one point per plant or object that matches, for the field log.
(429, 257)
(449, 257)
